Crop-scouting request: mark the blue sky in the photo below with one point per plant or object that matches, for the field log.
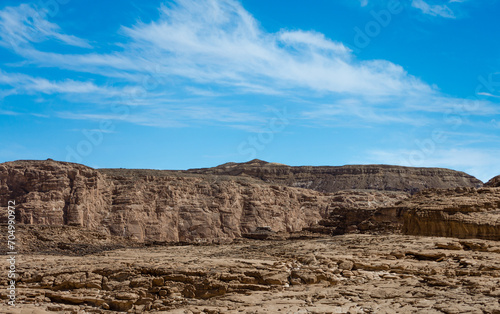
(187, 84)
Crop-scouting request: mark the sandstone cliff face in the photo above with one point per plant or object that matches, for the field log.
(348, 210)
(207, 205)
(53, 193)
(153, 208)
(332, 179)
(460, 213)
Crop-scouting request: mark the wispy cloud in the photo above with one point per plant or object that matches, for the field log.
(364, 114)
(140, 119)
(8, 113)
(218, 45)
(27, 24)
(172, 116)
(488, 94)
(442, 10)
(22, 83)
(219, 41)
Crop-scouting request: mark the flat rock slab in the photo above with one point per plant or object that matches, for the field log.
(343, 274)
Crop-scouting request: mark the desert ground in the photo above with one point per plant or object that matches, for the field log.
(353, 273)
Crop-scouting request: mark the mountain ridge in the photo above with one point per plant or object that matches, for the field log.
(214, 204)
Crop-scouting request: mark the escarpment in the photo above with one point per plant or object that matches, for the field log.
(460, 213)
(166, 208)
(333, 179)
(226, 202)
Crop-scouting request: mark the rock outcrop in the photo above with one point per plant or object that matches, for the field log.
(332, 179)
(100, 238)
(167, 207)
(494, 182)
(459, 213)
(217, 204)
(348, 210)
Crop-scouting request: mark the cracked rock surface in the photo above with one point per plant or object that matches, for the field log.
(342, 274)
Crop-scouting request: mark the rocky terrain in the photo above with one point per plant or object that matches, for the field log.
(343, 274)
(495, 182)
(216, 204)
(333, 179)
(156, 206)
(251, 238)
(460, 213)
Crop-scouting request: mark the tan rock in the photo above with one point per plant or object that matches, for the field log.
(199, 205)
(213, 277)
(461, 213)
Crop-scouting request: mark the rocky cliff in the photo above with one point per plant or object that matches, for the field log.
(162, 207)
(347, 211)
(70, 209)
(216, 204)
(332, 179)
(460, 213)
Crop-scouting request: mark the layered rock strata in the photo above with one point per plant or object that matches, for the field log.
(221, 204)
(460, 213)
(494, 182)
(332, 179)
(163, 208)
(348, 210)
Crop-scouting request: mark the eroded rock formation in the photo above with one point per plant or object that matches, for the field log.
(460, 213)
(166, 207)
(225, 202)
(494, 182)
(348, 210)
(332, 179)
(69, 210)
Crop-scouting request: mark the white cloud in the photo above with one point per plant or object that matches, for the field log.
(441, 10)
(361, 113)
(27, 24)
(28, 84)
(488, 94)
(220, 42)
(217, 43)
(312, 40)
(172, 116)
(8, 113)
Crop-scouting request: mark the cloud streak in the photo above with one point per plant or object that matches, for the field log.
(219, 41)
(22, 83)
(217, 44)
(27, 24)
(441, 10)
